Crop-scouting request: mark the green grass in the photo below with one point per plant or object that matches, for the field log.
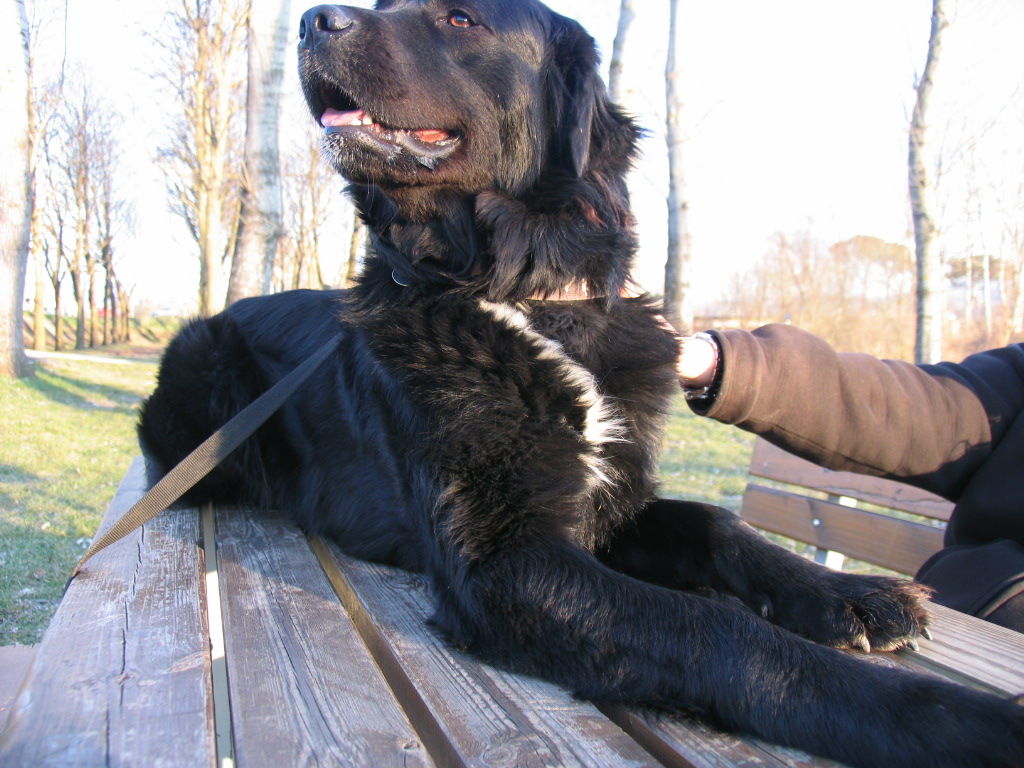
(704, 460)
(67, 438)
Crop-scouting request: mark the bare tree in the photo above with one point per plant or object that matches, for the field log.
(205, 69)
(54, 204)
(678, 301)
(43, 104)
(75, 134)
(78, 205)
(857, 293)
(928, 341)
(307, 183)
(15, 184)
(260, 227)
(108, 208)
(615, 85)
(309, 256)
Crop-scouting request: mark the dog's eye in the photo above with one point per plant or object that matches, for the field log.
(460, 19)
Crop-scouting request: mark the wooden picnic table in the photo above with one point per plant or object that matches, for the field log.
(226, 636)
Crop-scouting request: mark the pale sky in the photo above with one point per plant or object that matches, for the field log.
(796, 114)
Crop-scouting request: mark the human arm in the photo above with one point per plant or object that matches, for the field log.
(931, 425)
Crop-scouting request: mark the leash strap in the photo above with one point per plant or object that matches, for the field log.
(209, 454)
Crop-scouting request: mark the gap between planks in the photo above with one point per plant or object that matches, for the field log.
(438, 745)
(218, 656)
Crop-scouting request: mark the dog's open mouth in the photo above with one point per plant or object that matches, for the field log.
(426, 145)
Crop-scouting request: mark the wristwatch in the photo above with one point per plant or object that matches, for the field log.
(703, 393)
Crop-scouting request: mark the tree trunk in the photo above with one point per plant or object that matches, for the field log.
(986, 296)
(79, 282)
(35, 234)
(57, 280)
(678, 302)
(125, 300)
(91, 298)
(352, 263)
(260, 229)
(58, 318)
(615, 85)
(211, 251)
(928, 342)
(1017, 320)
(15, 185)
(39, 307)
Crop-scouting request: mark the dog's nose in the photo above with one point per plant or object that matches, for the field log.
(323, 19)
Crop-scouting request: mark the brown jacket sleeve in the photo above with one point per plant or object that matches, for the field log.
(851, 411)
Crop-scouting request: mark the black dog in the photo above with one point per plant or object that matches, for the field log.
(494, 415)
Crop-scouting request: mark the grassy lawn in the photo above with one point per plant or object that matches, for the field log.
(704, 460)
(69, 435)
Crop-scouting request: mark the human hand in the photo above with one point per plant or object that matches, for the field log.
(697, 363)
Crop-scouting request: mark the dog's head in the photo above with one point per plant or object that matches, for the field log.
(497, 101)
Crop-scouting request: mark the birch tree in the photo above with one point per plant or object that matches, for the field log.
(615, 85)
(15, 183)
(678, 301)
(928, 338)
(260, 227)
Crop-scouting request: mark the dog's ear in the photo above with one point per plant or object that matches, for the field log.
(579, 101)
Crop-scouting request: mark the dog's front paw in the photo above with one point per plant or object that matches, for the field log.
(846, 610)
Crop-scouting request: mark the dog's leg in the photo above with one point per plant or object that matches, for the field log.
(552, 610)
(685, 545)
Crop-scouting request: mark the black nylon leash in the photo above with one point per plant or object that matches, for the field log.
(209, 454)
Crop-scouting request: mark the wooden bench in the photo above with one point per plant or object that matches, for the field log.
(226, 636)
(822, 510)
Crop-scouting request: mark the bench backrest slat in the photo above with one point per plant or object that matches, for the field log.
(774, 463)
(899, 545)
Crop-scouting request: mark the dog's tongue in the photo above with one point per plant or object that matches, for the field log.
(334, 118)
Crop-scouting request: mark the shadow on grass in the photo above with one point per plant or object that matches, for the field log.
(81, 393)
(12, 473)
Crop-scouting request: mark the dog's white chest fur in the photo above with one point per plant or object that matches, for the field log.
(603, 423)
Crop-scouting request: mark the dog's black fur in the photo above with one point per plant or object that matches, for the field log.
(478, 428)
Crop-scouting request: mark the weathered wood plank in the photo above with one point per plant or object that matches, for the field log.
(304, 689)
(121, 676)
(954, 652)
(15, 661)
(896, 544)
(683, 742)
(466, 712)
(773, 463)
